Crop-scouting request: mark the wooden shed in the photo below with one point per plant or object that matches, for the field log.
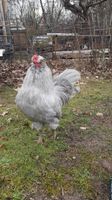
(20, 40)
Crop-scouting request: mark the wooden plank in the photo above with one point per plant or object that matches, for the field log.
(60, 34)
(72, 34)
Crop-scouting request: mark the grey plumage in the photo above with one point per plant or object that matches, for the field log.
(42, 96)
(64, 84)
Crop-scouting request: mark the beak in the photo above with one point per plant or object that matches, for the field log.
(41, 59)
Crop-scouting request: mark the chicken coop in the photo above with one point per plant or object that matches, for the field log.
(70, 42)
(62, 41)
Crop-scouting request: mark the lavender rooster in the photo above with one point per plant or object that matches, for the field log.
(42, 95)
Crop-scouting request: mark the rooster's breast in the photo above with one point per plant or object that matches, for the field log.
(38, 105)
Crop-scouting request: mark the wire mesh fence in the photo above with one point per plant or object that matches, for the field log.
(65, 41)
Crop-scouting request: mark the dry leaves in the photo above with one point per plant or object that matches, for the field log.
(4, 113)
(83, 128)
(99, 114)
(107, 165)
(82, 83)
(86, 67)
(37, 157)
(13, 73)
(2, 146)
(9, 120)
(17, 89)
(40, 140)
(74, 157)
(2, 128)
(3, 138)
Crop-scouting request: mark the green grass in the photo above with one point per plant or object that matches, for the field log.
(72, 162)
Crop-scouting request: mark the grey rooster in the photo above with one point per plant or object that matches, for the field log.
(42, 95)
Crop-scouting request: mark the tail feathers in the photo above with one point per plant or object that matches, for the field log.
(64, 84)
(70, 75)
(64, 90)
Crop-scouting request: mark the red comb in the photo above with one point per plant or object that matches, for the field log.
(35, 60)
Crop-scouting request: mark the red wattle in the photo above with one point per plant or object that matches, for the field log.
(38, 65)
(35, 61)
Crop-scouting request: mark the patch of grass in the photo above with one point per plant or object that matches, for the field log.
(82, 180)
(72, 162)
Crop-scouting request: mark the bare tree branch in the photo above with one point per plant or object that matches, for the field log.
(59, 14)
(73, 8)
(92, 4)
(53, 5)
(83, 7)
(44, 13)
(52, 12)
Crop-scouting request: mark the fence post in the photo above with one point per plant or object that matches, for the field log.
(4, 23)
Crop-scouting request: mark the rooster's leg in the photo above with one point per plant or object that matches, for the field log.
(55, 134)
(54, 125)
(36, 125)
